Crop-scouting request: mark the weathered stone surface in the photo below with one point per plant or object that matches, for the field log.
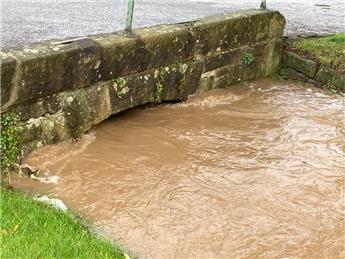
(133, 90)
(166, 44)
(145, 49)
(274, 56)
(30, 130)
(45, 69)
(238, 71)
(8, 67)
(325, 76)
(48, 105)
(300, 64)
(55, 129)
(49, 130)
(222, 33)
(277, 25)
(289, 73)
(258, 23)
(217, 34)
(330, 77)
(191, 79)
(122, 54)
(207, 81)
(234, 56)
(225, 76)
(168, 83)
(86, 107)
(43, 130)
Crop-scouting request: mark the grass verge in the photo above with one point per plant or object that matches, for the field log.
(328, 50)
(30, 229)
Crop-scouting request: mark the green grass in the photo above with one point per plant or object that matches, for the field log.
(30, 229)
(329, 50)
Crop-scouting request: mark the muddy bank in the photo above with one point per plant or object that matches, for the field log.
(255, 170)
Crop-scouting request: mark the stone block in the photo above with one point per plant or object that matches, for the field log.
(222, 33)
(30, 130)
(300, 64)
(276, 27)
(42, 107)
(290, 74)
(47, 68)
(223, 59)
(274, 56)
(237, 71)
(170, 83)
(132, 90)
(122, 54)
(165, 44)
(191, 78)
(86, 107)
(331, 77)
(55, 129)
(8, 68)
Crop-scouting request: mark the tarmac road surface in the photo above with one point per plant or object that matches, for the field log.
(25, 21)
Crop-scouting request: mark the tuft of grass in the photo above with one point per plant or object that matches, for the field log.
(333, 86)
(30, 229)
(329, 50)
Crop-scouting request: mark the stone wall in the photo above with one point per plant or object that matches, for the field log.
(61, 89)
(297, 67)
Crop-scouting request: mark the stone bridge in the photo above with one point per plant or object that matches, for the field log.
(61, 89)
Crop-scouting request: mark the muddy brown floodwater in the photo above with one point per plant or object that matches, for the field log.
(255, 170)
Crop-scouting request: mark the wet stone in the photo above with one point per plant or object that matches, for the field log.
(300, 64)
(46, 68)
(330, 77)
(166, 44)
(8, 67)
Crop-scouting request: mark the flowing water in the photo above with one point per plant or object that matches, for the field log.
(255, 170)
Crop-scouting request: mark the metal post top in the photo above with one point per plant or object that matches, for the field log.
(129, 19)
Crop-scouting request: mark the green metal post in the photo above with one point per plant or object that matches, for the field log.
(129, 15)
(263, 4)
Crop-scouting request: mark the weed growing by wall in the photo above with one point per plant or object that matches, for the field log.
(248, 58)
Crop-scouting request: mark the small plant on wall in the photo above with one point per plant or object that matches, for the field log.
(120, 87)
(248, 58)
(8, 141)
